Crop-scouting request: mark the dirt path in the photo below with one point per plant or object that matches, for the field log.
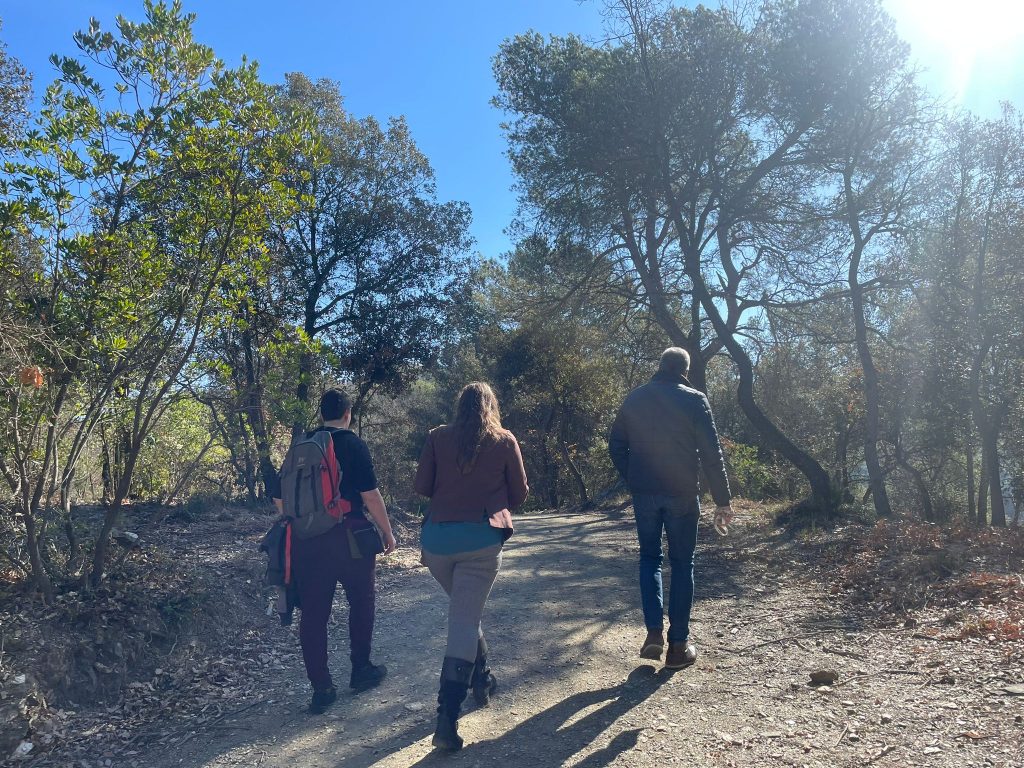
(564, 627)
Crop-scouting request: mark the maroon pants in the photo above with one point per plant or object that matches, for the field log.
(318, 564)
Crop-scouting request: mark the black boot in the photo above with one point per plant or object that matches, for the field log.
(455, 676)
(484, 684)
(322, 699)
(366, 676)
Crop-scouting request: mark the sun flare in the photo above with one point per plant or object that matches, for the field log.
(971, 38)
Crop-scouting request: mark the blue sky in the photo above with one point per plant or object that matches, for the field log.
(430, 61)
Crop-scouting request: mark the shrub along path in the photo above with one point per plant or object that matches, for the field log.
(564, 627)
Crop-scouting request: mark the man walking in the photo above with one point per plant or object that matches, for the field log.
(321, 562)
(662, 434)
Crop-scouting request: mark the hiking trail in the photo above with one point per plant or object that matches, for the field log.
(564, 626)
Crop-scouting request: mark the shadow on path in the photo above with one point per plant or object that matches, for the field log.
(564, 614)
(562, 741)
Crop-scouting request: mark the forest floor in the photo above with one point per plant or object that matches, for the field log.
(933, 682)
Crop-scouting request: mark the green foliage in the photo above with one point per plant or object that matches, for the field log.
(361, 282)
(15, 89)
(749, 475)
(180, 456)
(189, 255)
(558, 362)
(145, 218)
(373, 261)
(759, 183)
(395, 429)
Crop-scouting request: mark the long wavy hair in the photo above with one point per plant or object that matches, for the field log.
(477, 422)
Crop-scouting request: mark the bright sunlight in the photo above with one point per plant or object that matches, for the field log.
(974, 39)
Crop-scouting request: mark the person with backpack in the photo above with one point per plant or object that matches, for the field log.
(327, 488)
(472, 471)
(661, 437)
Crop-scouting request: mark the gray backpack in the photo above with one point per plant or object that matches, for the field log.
(310, 486)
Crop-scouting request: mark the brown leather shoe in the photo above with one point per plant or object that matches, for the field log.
(680, 655)
(654, 645)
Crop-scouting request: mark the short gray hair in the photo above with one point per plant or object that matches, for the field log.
(675, 361)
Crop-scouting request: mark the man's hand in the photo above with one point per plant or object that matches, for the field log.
(374, 504)
(723, 519)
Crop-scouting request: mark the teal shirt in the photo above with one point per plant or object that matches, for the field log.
(456, 537)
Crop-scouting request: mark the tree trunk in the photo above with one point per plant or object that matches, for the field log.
(982, 518)
(972, 507)
(550, 466)
(302, 391)
(574, 470)
(690, 342)
(646, 262)
(871, 393)
(254, 412)
(249, 468)
(822, 495)
(39, 575)
(99, 555)
(821, 487)
(927, 509)
(113, 513)
(306, 358)
(842, 454)
(107, 470)
(698, 375)
(984, 423)
(189, 470)
(75, 554)
(995, 479)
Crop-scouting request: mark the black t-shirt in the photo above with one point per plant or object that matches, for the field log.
(357, 475)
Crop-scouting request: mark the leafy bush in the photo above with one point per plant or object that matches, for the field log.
(749, 476)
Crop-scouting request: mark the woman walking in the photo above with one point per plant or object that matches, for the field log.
(473, 473)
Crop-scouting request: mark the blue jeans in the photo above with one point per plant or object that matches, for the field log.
(678, 516)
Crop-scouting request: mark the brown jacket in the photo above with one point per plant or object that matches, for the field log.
(495, 485)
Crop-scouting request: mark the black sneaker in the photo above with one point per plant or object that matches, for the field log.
(367, 677)
(322, 699)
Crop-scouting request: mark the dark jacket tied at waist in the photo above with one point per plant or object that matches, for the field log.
(495, 484)
(661, 435)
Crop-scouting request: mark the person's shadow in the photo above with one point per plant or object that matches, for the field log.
(560, 741)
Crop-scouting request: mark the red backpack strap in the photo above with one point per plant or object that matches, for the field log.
(288, 554)
(332, 482)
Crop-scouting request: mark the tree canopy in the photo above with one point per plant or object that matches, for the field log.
(189, 255)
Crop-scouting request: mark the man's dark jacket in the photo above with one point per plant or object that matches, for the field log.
(661, 435)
